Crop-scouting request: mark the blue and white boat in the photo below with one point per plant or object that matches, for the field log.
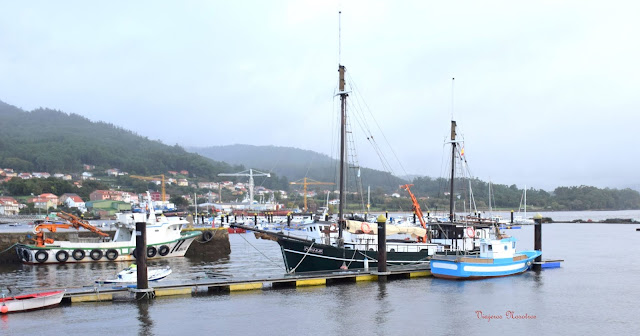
(498, 257)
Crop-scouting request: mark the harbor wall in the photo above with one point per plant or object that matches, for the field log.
(215, 246)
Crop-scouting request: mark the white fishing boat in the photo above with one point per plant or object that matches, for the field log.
(165, 238)
(130, 274)
(26, 302)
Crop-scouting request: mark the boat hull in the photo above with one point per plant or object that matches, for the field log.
(479, 268)
(29, 302)
(306, 256)
(69, 252)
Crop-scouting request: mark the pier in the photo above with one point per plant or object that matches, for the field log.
(99, 293)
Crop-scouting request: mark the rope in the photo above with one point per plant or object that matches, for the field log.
(10, 247)
(303, 257)
(245, 239)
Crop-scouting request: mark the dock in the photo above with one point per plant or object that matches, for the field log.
(101, 293)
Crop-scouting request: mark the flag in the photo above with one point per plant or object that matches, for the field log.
(462, 151)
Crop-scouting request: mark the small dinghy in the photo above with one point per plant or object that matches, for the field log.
(28, 302)
(130, 274)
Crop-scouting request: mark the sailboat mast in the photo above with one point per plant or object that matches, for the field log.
(453, 169)
(343, 135)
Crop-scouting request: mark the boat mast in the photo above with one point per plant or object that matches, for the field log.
(343, 135)
(453, 169)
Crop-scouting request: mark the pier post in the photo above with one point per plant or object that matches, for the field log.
(141, 259)
(414, 217)
(511, 216)
(288, 219)
(537, 240)
(386, 214)
(382, 245)
(255, 219)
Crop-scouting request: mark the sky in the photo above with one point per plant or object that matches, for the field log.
(545, 92)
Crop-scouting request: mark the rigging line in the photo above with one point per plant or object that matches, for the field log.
(379, 152)
(378, 125)
(245, 239)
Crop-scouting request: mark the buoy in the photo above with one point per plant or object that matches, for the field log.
(4, 309)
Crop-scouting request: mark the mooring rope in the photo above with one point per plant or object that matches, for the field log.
(303, 257)
(245, 239)
(10, 247)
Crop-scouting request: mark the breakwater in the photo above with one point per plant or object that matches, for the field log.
(212, 244)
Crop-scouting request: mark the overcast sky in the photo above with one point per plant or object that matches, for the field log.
(546, 93)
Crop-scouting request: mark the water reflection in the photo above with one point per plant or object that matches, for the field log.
(384, 307)
(145, 321)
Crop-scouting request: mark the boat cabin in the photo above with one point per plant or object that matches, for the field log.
(497, 249)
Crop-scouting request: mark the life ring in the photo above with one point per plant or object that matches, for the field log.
(333, 227)
(471, 232)
(151, 252)
(365, 227)
(42, 256)
(111, 254)
(95, 254)
(207, 235)
(78, 254)
(62, 256)
(163, 250)
(26, 255)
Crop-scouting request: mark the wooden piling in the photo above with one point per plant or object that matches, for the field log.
(141, 258)
(382, 245)
(537, 241)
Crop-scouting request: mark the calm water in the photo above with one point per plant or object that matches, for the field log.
(595, 292)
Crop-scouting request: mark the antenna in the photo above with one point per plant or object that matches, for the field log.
(339, 37)
(452, 82)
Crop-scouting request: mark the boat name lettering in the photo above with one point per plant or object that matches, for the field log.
(313, 250)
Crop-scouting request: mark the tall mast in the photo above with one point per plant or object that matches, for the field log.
(343, 135)
(453, 169)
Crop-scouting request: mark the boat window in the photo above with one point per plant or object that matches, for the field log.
(505, 247)
(392, 250)
(514, 245)
(490, 247)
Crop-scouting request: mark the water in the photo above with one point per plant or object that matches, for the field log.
(594, 292)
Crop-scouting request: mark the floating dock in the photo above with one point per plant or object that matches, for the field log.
(211, 286)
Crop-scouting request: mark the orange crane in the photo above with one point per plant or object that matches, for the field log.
(152, 178)
(416, 208)
(74, 222)
(305, 182)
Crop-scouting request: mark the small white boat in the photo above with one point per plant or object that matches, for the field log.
(28, 302)
(130, 274)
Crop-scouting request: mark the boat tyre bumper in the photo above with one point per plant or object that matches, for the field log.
(78, 254)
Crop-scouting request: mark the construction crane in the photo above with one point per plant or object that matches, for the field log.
(416, 208)
(74, 222)
(251, 173)
(152, 178)
(305, 183)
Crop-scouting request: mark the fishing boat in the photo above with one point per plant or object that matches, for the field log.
(27, 302)
(498, 257)
(352, 244)
(165, 238)
(497, 254)
(130, 274)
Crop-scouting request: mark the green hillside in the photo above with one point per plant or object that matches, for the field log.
(53, 141)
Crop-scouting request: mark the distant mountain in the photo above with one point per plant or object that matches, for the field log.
(56, 142)
(295, 164)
